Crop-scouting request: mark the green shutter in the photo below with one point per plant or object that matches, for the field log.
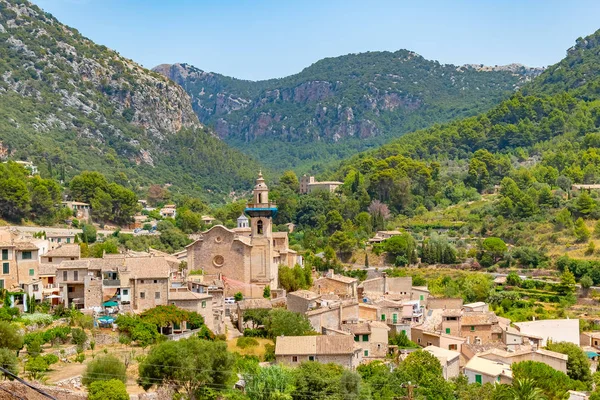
(421, 297)
(5, 254)
(356, 338)
(365, 338)
(448, 330)
(5, 268)
(1, 283)
(383, 317)
(478, 379)
(472, 328)
(366, 353)
(31, 272)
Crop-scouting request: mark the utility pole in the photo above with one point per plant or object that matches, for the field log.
(410, 392)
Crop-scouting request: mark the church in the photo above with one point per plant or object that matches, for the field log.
(246, 258)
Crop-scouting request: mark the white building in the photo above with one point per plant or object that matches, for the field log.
(556, 330)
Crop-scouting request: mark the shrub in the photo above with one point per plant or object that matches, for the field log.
(80, 358)
(112, 389)
(10, 337)
(8, 361)
(36, 367)
(51, 359)
(269, 352)
(255, 333)
(104, 368)
(79, 336)
(37, 319)
(245, 342)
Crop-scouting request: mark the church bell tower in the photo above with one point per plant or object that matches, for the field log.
(263, 269)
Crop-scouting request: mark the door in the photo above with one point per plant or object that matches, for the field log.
(478, 379)
(395, 318)
(383, 317)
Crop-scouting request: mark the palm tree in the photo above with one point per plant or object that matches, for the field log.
(521, 389)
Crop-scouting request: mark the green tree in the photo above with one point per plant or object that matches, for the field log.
(554, 384)
(563, 219)
(238, 296)
(567, 283)
(513, 279)
(287, 323)
(425, 371)
(403, 245)
(14, 199)
(317, 381)
(188, 221)
(188, 365)
(586, 282)
(581, 231)
(10, 336)
(584, 204)
(521, 389)
(9, 361)
(112, 389)
(88, 233)
(578, 365)
(267, 292)
(104, 368)
(83, 186)
(495, 248)
(290, 180)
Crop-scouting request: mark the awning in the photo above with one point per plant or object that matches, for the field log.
(591, 354)
(111, 304)
(108, 294)
(53, 296)
(107, 319)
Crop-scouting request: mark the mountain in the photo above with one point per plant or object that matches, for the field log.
(69, 105)
(341, 105)
(545, 134)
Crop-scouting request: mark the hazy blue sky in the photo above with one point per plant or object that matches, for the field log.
(256, 39)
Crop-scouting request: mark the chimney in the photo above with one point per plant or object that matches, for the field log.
(385, 283)
(340, 315)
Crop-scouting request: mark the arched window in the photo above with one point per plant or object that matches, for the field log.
(260, 197)
(259, 227)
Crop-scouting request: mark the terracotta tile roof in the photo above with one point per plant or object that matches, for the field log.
(479, 318)
(66, 250)
(148, 267)
(385, 303)
(25, 246)
(305, 294)
(6, 244)
(47, 269)
(357, 329)
(452, 312)
(342, 278)
(187, 295)
(74, 264)
(315, 345)
(251, 304)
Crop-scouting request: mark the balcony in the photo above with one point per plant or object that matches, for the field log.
(111, 282)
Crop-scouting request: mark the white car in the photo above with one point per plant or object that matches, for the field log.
(229, 300)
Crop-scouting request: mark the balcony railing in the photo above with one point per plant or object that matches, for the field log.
(111, 282)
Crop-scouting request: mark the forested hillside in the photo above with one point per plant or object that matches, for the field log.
(68, 105)
(341, 105)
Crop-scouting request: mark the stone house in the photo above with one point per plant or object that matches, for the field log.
(80, 210)
(63, 252)
(426, 338)
(338, 349)
(332, 316)
(343, 286)
(302, 301)
(58, 239)
(308, 184)
(8, 274)
(590, 339)
(480, 327)
(449, 359)
(372, 336)
(384, 285)
(479, 306)
(558, 361)
(444, 303)
(202, 304)
(480, 370)
(250, 304)
(513, 338)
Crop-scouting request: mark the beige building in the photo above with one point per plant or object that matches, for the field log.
(302, 301)
(480, 370)
(80, 210)
(63, 252)
(480, 327)
(426, 338)
(553, 359)
(58, 239)
(308, 184)
(340, 285)
(338, 349)
(246, 259)
(332, 316)
(449, 359)
(372, 337)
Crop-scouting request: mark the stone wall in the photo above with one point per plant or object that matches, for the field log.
(149, 287)
(444, 303)
(93, 292)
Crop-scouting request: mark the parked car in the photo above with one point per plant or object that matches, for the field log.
(229, 300)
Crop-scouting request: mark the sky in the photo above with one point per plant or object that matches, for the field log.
(262, 39)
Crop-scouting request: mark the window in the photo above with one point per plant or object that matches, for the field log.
(68, 240)
(155, 281)
(31, 271)
(478, 378)
(125, 292)
(5, 268)
(294, 358)
(366, 353)
(203, 304)
(156, 295)
(65, 276)
(365, 338)
(142, 281)
(472, 328)
(383, 317)
(70, 289)
(404, 331)
(259, 227)
(36, 288)
(448, 331)
(58, 240)
(311, 358)
(429, 344)
(419, 340)
(5, 254)
(356, 338)
(142, 295)
(75, 275)
(49, 259)
(421, 297)
(1, 283)
(452, 347)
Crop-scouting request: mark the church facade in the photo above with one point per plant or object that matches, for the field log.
(245, 258)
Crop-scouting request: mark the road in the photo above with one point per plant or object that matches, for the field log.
(51, 230)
